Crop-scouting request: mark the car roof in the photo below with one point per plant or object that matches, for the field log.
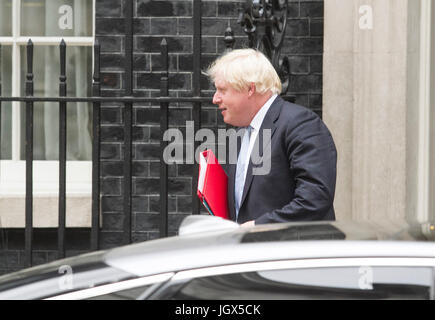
(231, 244)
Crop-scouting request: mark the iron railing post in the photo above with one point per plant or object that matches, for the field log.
(128, 109)
(62, 152)
(29, 157)
(196, 81)
(164, 92)
(2, 231)
(96, 92)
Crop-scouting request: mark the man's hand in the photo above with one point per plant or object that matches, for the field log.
(248, 224)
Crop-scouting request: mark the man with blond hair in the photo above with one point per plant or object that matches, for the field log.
(300, 182)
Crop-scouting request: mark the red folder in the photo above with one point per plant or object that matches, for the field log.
(213, 185)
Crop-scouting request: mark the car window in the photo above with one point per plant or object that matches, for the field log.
(299, 233)
(362, 282)
(129, 294)
(60, 279)
(136, 288)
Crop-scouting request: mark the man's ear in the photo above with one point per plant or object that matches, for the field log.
(252, 89)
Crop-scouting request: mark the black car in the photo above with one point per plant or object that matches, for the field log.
(212, 258)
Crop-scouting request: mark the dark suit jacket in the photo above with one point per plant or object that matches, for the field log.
(301, 183)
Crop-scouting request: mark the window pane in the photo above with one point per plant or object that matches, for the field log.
(46, 70)
(317, 283)
(66, 18)
(57, 278)
(6, 107)
(5, 18)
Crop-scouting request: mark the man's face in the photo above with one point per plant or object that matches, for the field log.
(234, 105)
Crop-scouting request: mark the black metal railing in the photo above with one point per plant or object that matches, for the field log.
(96, 113)
(29, 156)
(96, 100)
(128, 100)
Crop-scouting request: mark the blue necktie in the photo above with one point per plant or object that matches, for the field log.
(240, 170)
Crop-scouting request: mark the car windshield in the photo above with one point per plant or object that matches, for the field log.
(59, 277)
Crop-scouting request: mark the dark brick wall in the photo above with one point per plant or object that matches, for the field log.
(304, 47)
(12, 257)
(172, 19)
(154, 20)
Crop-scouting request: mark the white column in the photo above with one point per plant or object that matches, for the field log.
(431, 206)
(338, 94)
(372, 104)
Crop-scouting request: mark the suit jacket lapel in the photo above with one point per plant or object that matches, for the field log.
(268, 124)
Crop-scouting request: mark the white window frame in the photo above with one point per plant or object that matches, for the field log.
(45, 173)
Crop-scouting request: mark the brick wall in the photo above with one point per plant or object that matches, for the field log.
(12, 257)
(154, 20)
(304, 47)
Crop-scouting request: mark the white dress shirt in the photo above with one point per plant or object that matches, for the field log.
(256, 125)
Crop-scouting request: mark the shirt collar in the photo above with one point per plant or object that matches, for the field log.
(258, 119)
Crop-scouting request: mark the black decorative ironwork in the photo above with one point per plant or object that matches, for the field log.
(265, 21)
(229, 39)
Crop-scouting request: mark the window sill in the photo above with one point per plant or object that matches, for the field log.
(45, 194)
(45, 211)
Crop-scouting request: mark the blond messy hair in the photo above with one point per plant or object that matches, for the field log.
(242, 67)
